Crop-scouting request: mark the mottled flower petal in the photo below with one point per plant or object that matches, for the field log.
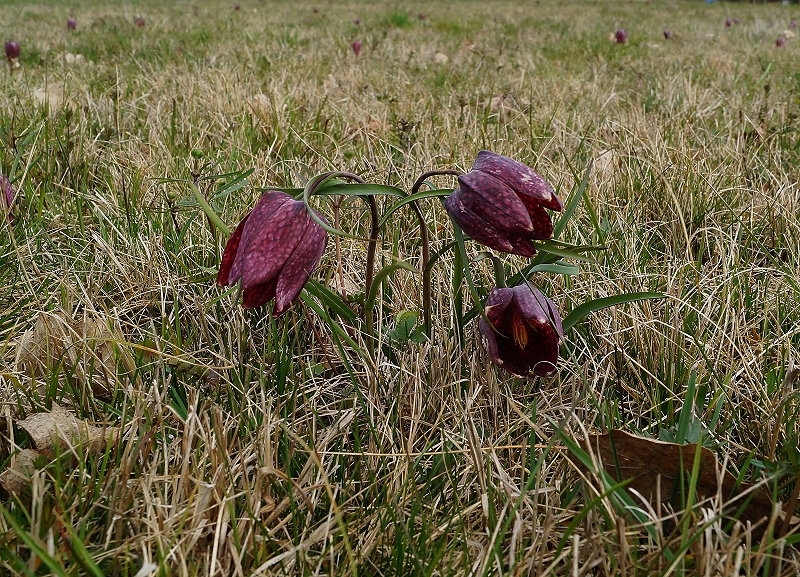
(522, 330)
(229, 254)
(475, 226)
(273, 251)
(268, 238)
(258, 295)
(520, 177)
(497, 202)
(299, 267)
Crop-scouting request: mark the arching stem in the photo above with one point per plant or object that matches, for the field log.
(426, 245)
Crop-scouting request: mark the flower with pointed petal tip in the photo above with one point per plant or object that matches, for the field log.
(72, 24)
(501, 202)
(621, 36)
(356, 46)
(7, 196)
(273, 251)
(522, 330)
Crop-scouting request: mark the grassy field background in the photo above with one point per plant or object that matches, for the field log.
(231, 443)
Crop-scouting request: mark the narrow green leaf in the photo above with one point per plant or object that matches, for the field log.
(584, 310)
(573, 203)
(35, 545)
(389, 269)
(345, 189)
(413, 198)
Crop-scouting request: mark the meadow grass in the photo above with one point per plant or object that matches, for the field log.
(257, 446)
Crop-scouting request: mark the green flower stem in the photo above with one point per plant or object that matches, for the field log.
(372, 243)
(213, 217)
(426, 246)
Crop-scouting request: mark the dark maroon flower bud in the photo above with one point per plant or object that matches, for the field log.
(356, 46)
(522, 330)
(780, 41)
(12, 50)
(668, 34)
(237, 8)
(273, 252)
(139, 21)
(6, 197)
(501, 202)
(728, 22)
(357, 21)
(621, 36)
(72, 24)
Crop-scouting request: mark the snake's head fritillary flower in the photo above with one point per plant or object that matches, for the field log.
(12, 50)
(728, 22)
(667, 34)
(522, 328)
(139, 21)
(621, 36)
(273, 252)
(780, 42)
(7, 196)
(356, 46)
(501, 204)
(72, 24)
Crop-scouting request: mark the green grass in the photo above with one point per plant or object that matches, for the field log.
(251, 445)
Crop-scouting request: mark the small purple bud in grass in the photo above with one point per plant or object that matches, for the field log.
(621, 36)
(6, 197)
(780, 41)
(12, 50)
(237, 8)
(273, 252)
(668, 34)
(72, 24)
(357, 21)
(315, 10)
(356, 46)
(139, 21)
(793, 24)
(500, 203)
(522, 328)
(736, 20)
(728, 22)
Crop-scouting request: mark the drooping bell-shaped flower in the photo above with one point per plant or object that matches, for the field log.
(139, 21)
(273, 252)
(72, 24)
(501, 204)
(621, 36)
(522, 330)
(780, 42)
(7, 196)
(356, 46)
(12, 50)
(667, 34)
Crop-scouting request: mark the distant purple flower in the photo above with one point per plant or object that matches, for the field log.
(139, 21)
(793, 24)
(667, 34)
(621, 36)
(12, 50)
(273, 252)
(237, 8)
(728, 22)
(356, 46)
(6, 196)
(72, 24)
(357, 21)
(736, 20)
(522, 329)
(780, 41)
